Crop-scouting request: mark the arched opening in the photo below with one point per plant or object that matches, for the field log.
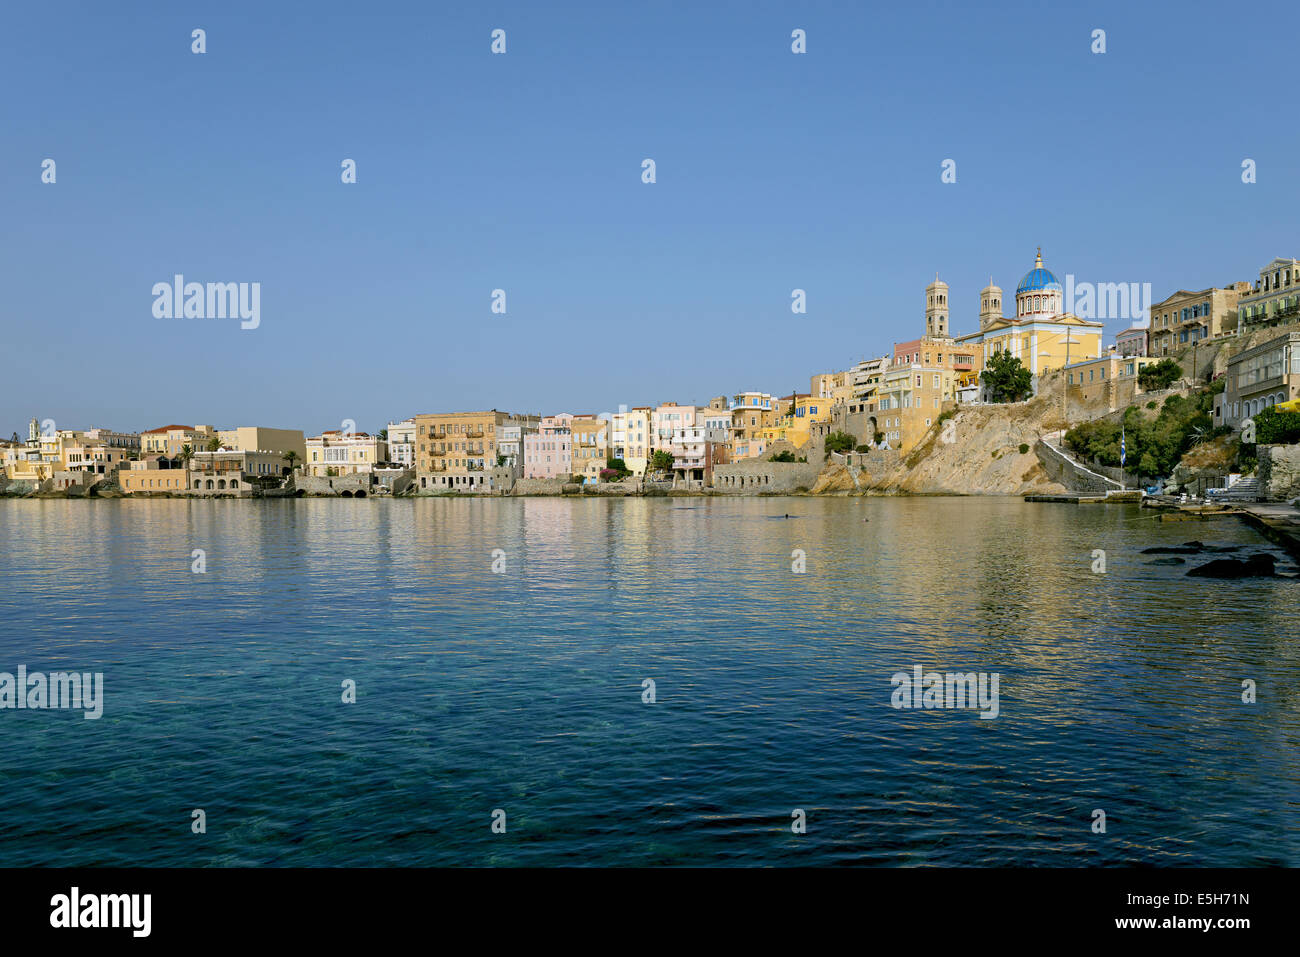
(221, 483)
(209, 484)
(345, 494)
(361, 493)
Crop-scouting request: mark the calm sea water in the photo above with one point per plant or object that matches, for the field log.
(523, 690)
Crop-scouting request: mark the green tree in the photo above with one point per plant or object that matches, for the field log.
(1159, 375)
(1277, 428)
(1006, 378)
(661, 461)
(291, 456)
(214, 444)
(840, 442)
(187, 453)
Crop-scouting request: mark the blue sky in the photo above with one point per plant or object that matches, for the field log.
(523, 172)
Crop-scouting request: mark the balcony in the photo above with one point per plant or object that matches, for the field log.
(475, 433)
(438, 452)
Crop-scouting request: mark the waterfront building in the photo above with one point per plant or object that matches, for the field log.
(401, 443)
(456, 451)
(24, 463)
(696, 449)
(1186, 317)
(548, 453)
(510, 441)
(1259, 378)
(631, 437)
(343, 453)
(1040, 334)
(591, 444)
(233, 472)
(154, 473)
(750, 413)
(1275, 295)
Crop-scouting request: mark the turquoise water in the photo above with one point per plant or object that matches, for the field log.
(523, 690)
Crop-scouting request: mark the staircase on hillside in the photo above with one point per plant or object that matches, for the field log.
(1245, 490)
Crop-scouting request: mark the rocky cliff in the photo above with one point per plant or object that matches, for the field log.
(981, 450)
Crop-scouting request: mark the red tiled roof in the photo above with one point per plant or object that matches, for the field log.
(168, 428)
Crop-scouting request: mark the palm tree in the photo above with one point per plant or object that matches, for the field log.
(187, 453)
(290, 457)
(214, 444)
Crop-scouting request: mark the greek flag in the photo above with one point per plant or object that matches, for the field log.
(1121, 446)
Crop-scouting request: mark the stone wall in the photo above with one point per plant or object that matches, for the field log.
(536, 486)
(334, 485)
(756, 477)
(875, 462)
(629, 486)
(1278, 472)
(1075, 477)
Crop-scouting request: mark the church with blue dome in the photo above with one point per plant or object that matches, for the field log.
(1041, 334)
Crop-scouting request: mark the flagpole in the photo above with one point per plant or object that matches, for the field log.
(1123, 451)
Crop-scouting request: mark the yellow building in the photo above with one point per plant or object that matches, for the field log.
(631, 437)
(591, 442)
(157, 473)
(456, 451)
(343, 453)
(1111, 379)
(751, 413)
(793, 422)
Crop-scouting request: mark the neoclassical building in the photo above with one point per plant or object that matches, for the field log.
(1040, 333)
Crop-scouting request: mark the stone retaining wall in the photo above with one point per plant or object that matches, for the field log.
(1075, 477)
(536, 486)
(755, 477)
(334, 485)
(1278, 472)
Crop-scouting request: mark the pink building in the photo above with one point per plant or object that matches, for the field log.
(548, 452)
(666, 419)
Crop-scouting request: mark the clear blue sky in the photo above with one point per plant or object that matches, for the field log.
(523, 172)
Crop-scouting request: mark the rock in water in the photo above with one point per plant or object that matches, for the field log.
(1252, 567)
(1188, 548)
(1168, 561)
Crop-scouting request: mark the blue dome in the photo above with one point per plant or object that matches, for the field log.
(1037, 279)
